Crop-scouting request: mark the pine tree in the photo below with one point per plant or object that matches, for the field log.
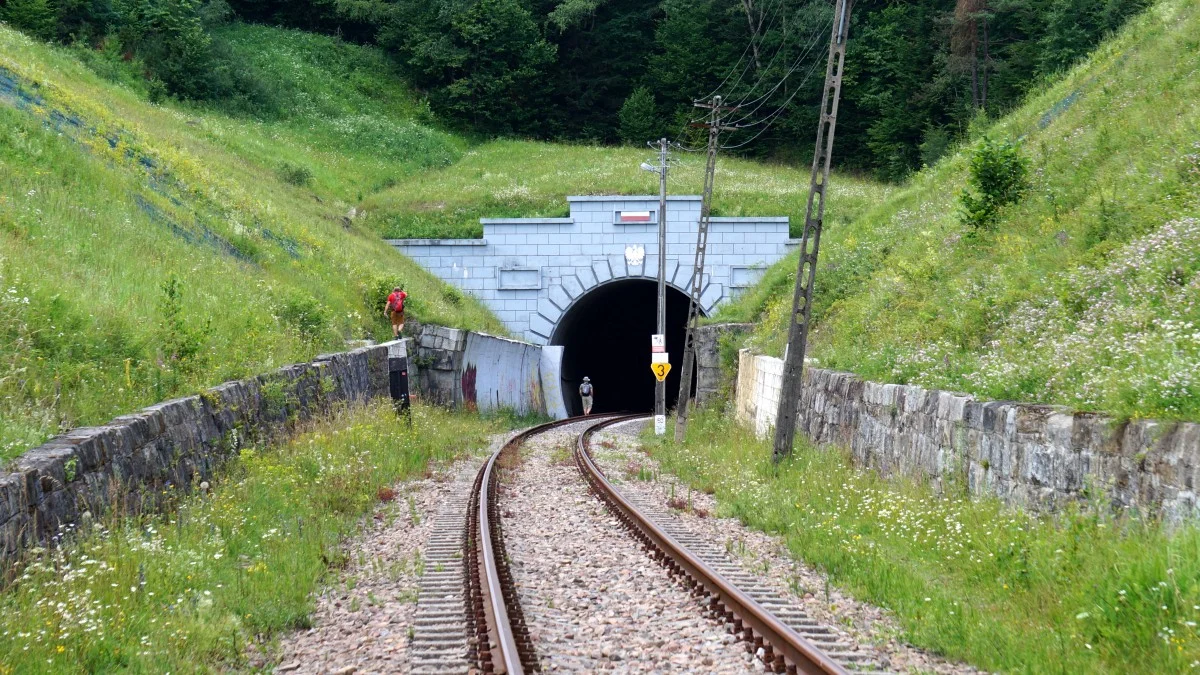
(639, 117)
(35, 17)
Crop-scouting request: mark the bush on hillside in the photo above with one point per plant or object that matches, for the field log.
(295, 174)
(182, 344)
(303, 314)
(999, 177)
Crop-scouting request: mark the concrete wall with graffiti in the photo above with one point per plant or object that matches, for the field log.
(477, 371)
(499, 373)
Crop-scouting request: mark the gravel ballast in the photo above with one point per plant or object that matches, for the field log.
(366, 620)
(593, 600)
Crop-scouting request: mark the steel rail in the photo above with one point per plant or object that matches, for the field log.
(785, 650)
(503, 645)
(499, 626)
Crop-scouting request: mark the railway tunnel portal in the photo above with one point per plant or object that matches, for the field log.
(587, 282)
(605, 335)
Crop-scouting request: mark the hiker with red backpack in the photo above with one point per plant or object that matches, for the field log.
(395, 309)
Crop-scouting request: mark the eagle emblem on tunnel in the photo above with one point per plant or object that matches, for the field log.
(634, 255)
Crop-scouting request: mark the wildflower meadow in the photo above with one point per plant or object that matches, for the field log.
(226, 569)
(1081, 591)
(1086, 293)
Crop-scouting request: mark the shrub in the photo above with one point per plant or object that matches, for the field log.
(294, 174)
(109, 60)
(170, 36)
(999, 177)
(303, 314)
(375, 291)
(935, 144)
(182, 345)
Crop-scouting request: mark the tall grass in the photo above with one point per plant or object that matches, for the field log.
(1080, 592)
(1087, 292)
(344, 106)
(191, 590)
(106, 200)
(511, 178)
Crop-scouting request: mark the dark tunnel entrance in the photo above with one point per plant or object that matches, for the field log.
(606, 335)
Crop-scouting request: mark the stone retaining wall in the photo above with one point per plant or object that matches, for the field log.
(124, 463)
(1035, 456)
(709, 375)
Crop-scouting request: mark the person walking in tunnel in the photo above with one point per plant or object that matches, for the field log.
(585, 395)
(395, 310)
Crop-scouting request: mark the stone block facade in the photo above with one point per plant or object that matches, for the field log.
(530, 271)
(1034, 456)
(170, 445)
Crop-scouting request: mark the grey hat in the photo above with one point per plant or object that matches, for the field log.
(587, 379)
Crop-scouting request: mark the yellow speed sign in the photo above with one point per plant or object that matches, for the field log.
(660, 370)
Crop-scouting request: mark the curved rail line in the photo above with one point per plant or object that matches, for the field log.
(785, 650)
(501, 641)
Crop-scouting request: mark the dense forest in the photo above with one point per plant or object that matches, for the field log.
(918, 73)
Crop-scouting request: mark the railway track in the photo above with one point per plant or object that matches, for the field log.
(786, 643)
(498, 640)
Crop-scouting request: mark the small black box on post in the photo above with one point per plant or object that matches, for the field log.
(398, 375)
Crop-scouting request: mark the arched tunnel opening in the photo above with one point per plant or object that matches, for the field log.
(606, 336)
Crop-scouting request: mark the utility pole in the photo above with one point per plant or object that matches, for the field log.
(660, 385)
(793, 357)
(715, 128)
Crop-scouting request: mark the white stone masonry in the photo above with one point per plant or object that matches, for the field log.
(530, 271)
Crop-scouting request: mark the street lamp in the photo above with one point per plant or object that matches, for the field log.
(660, 386)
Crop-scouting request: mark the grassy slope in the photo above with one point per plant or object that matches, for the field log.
(1081, 592)
(509, 178)
(104, 197)
(190, 591)
(1087, 294)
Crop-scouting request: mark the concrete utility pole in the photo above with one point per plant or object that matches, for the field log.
(793, 358)
(715, 128)
(660, 386)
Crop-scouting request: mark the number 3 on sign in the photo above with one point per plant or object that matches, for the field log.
(660, 370)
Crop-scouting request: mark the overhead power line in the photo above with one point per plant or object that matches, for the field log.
(812, 42)
(759, 102)
(810, 243)
(767, 121)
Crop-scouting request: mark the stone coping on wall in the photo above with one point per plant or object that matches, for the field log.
(171, 445)
(527, 221)
(436, 242)
(750, 219)
(632, 198)
(1031, 455)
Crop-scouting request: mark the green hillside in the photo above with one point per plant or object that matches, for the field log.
(1085, 294)
(514, 178)
(148, 250)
